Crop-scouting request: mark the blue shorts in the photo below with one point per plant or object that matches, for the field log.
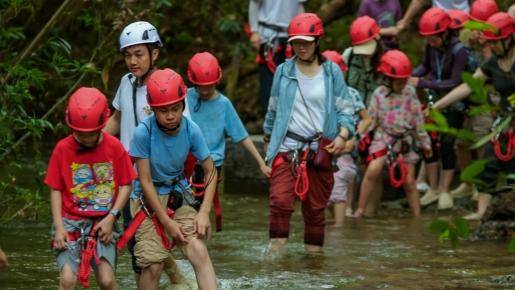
(71, 254)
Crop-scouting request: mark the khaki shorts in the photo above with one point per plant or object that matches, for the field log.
(149, 248)
(479, 124)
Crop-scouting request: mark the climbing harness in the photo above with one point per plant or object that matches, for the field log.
(136, 222)
(200, 189)
(509, 137)
(396, 168)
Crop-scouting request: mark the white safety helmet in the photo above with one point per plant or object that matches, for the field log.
(140, 32)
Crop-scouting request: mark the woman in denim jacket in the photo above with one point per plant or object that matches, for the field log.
(306, 109)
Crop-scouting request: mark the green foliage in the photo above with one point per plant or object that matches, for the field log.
(498, 128)
(511, 245)
(441, 125)
(471, 172)
(459, 228)
(479, 93)
(478, 25)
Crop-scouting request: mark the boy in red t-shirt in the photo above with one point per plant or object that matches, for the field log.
(89, 175)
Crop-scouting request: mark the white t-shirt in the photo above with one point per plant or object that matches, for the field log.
(123, 103)
(452, 4)
(313, 89)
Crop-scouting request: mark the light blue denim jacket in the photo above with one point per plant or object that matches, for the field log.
(282, 96)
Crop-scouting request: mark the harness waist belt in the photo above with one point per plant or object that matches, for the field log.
(302, 139)
(273, 27)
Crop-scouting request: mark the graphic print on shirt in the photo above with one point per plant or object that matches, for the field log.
(93, 186)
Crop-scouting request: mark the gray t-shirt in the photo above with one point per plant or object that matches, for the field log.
(275, 13)
(452, 4)
(123, 103)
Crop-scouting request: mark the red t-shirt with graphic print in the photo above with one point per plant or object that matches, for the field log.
(88, 180)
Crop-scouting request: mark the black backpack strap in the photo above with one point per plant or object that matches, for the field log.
(134, 89)
(351, 56)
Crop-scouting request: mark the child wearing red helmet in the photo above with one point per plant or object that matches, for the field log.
(500, 70)
(343, 189)
(160, 146)
(363, 57)
(216, 116)
(445, 59)
(386, 13)
(397, 125)
(90, 176)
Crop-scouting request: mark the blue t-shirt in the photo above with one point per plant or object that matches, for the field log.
(217, 119)
(166, 153)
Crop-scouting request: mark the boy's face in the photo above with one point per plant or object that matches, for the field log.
(206, 92)
(169, 116)
(398, 85)
(137, 59)
(88, 139)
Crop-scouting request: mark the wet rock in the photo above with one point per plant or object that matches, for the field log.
(490, 230)
(241, 172)
(499, 220)
(504, 280)
(502, 207)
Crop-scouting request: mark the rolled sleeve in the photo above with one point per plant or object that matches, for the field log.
(268, 124)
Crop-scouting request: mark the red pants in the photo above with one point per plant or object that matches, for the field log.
(282, 202)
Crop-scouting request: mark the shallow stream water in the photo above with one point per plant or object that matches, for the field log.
(392, 251)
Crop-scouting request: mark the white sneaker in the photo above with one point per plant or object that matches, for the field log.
(464, 189)
(473, 216)
(475, 193)
(348, 212)
(445, 201)
(429, 197)
(422, 187)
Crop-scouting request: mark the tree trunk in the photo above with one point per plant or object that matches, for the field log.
(332, 10)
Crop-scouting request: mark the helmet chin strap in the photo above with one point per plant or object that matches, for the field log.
(141, 80)
(168, 130)
(83, 147)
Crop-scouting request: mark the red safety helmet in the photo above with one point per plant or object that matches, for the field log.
(481, 10)
(165, 87)
(433, 21)
(305, 24)
(395, 64)
(458, 18)
(335, 57)
(363, 29)
(203, 69)
(503, 24)
(87, 110)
